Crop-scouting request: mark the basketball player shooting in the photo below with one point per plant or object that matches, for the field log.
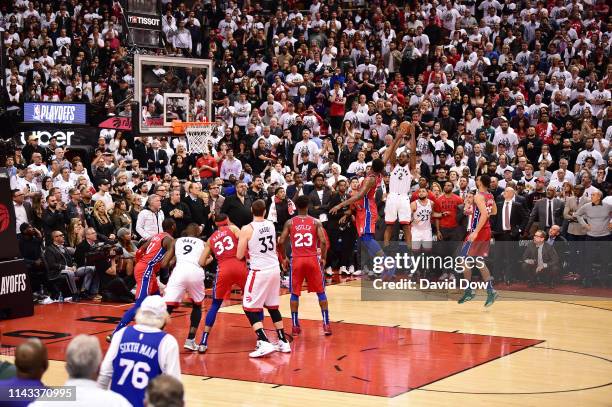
(149, 256)
(479, 238)
(367, 212)
(187, 277)
(258, 239)
(397, 206)
(223, 243)
(306, 234)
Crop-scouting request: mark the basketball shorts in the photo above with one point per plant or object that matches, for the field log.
(309, 269)
(186, 278)
(422, 239)
(262, 290)
(146, 280)
(397, 208)
(230, 272)
(479, 247)
(365, 222)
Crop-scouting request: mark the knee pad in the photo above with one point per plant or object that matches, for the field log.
(294, 297)
(253, 317)
(275, 315)
(322, 296)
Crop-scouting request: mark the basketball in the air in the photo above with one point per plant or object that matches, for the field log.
(405, 127)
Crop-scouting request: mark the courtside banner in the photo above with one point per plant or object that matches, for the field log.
(55, 113)
(435, 270)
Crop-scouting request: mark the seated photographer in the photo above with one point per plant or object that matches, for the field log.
(60, 262)
(105, 258)
(540, 261)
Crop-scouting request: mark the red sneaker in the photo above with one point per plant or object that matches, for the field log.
(296, 330)
(327, 329)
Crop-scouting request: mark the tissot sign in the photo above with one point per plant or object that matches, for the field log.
(55, 113)
(143, 21)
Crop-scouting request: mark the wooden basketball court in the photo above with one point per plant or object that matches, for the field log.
(523, 351)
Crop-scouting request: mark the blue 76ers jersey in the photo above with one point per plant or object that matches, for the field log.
(136, 363)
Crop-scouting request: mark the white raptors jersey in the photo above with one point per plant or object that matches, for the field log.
(188, 250)
(262, 246)
(400, 180)
(421, 218)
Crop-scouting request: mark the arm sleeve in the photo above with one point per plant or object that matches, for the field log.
(169, 357)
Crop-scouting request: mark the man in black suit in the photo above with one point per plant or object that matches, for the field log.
(547, 211)
(157, 159)
(59, 262)
(560, 244)
(540, 261)
(298, 187)
(509, 222)
(319, 199)
(238, 207)
(198, 210)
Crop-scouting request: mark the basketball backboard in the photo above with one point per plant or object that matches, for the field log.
(170, 88)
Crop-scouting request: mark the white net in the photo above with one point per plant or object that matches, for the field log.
(198, 137)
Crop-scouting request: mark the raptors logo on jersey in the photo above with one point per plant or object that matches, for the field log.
(397, 206)
(400, 180)
(422, 235)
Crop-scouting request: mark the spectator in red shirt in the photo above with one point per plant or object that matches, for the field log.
(447, 225)
(545, 129)
(207, 165)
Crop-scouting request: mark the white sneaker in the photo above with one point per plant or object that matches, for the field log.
(190, 344)
(329, 271)
(202, 348)
(343, 270)
(283, 347)
(351, 269)
(47, 300)
(262, 348)
(357, 272)
(443, 277)
(451, 277)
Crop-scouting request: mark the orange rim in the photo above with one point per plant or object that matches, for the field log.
(178, 126)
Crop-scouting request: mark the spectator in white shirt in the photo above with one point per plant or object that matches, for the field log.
(150, 219)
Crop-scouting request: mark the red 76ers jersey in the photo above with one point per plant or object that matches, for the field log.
(223, 244)
(304, 239)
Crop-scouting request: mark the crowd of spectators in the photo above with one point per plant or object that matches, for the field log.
(305, 97)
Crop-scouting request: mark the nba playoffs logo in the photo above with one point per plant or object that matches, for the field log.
(37, 114)
(5, 218)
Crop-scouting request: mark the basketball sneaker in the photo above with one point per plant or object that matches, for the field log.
(329, 271)
(262, 348)
(190, 344)
(491, 297)
(296, 330)
(351, 269)
(327, 329)
(283, 347)
(357, 272)
(343, 270)
(202, 348)
(467, 296)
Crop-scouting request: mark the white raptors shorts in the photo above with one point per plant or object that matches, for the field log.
(421, 239)
(262, 290)
(397, 208)
(185, 278)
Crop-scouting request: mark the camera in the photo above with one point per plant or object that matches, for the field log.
(101, 252)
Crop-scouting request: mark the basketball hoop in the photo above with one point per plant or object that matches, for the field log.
(198, 134)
